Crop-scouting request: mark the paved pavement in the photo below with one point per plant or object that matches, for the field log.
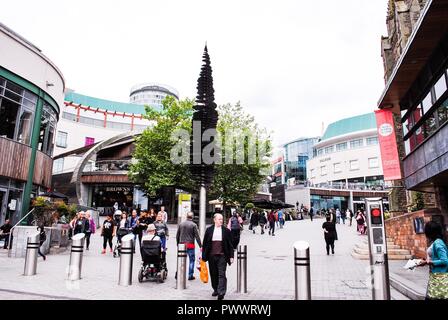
(270, 271)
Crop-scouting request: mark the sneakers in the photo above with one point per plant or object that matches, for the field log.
(111, 251)
(45, 258)
(214, 294)
(103, 251)
(191, 278)
(220, 297)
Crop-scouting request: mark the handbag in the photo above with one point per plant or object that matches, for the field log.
(438, 286)
(204, 272)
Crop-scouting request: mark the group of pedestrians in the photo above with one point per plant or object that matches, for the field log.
(83, 223)
(121, 224)
(267, 220)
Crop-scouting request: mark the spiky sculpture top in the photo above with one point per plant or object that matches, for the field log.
(205, 113)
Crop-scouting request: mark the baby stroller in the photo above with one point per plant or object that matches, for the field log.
(120, 234)
(153, 262)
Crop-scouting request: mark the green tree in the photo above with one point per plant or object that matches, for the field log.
(153, 168)
(238, 181)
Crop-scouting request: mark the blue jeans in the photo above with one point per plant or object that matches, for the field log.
(191, 257)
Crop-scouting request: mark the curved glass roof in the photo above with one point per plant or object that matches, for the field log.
(92, 102)
(345, 126)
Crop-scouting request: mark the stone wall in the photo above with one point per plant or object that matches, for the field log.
(401, 229)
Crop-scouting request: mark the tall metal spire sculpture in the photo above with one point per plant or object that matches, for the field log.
(205, 116)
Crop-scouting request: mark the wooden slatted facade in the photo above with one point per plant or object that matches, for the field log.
(15, 160)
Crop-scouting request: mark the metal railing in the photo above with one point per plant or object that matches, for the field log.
(108, 166)
(10, 231)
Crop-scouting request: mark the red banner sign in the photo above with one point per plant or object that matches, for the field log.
(388, 145)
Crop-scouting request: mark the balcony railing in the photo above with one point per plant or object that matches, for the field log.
(108, 166)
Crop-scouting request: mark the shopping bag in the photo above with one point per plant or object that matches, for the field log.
(412, 263)
(204, 272)
(438, 286)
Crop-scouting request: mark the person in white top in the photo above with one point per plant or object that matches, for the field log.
(164, 214)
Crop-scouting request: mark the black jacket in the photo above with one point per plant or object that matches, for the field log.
(226, 243)
(81, 227)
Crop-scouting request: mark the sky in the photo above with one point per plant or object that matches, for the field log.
(293, 64)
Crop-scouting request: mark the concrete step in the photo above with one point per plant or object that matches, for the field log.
(366, 247)
(389, 251)
(359, 256)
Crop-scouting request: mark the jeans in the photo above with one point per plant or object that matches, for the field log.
(272, 227)
(191, 257)
(163, 243)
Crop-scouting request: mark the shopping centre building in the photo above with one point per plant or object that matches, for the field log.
(31, 98)
(345, 167)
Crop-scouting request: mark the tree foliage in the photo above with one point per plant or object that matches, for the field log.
(239, 182)
(153, 168)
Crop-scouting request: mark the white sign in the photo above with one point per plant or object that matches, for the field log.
(12, 204)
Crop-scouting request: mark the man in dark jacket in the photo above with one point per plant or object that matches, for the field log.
(218, 251)
(254, 218)
(187, 232)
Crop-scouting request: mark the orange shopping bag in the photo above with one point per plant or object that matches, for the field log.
(204, 271)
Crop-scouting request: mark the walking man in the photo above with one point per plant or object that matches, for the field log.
(343, 216)
(218, 251)
(187, 233)
(164, 214)
(329, 234)
(254, 218)
(271, 220)
(234, 225)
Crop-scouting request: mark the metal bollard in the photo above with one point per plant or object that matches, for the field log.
(302, 270)
(32, 247)
(181, 281)
(241, 286)
(74, 267)
(126, 259)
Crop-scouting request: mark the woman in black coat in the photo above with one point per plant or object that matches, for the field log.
(329, 234)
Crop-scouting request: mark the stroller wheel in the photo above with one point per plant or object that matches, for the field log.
(140, 276)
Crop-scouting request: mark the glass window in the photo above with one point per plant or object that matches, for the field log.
(8, 118)
(25, 125)
(337, 167)
(440, 87)
(354, 164)
(406, 127)
(328, 149)
(419, 137)
(373, 162)
(417, 114)
(427, 102)
(407, 146)
(58, 165)
(356, 143)
(89, 141)
(341, 146)
(323, 170)
(430, 125)
(442, 112)
(61, 139)
(320, 152)
(69, 116)
(313, 173)
(372, 140)
(47, 129)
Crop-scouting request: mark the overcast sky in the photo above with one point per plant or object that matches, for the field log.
(292, 64)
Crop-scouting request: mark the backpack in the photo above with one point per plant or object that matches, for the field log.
(234, 224)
